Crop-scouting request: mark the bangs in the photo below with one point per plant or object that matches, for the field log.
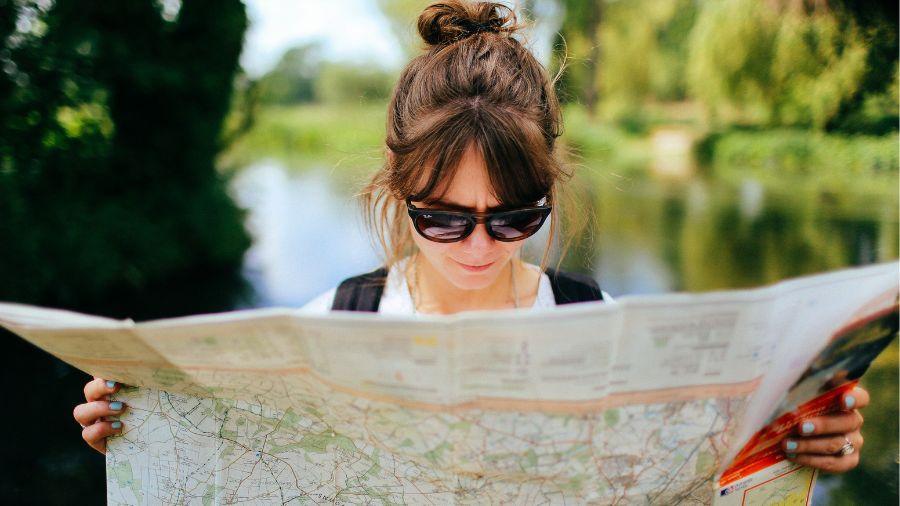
(520, 168)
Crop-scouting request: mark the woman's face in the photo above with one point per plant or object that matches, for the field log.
(476, 261)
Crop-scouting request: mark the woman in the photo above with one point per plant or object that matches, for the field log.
(472, 170)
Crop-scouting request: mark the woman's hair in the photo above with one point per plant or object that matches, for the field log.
(474, 84)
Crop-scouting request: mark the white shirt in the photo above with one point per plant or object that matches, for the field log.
(397, 299)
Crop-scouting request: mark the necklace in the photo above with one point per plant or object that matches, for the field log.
(415, 290)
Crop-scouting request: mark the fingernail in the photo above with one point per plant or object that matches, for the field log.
(808, 427)
(790, 455)
(791, 445)
(116, 425)
(110, 384)
(115, 405)
(849, 401)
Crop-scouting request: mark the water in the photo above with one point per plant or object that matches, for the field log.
(308, 234)
(644, 235)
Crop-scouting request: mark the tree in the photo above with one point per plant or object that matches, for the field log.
(578, 48)
(779, 63)
(874, 108)
(347, 83)
(110, 120)
(644, 49)
(293, 78)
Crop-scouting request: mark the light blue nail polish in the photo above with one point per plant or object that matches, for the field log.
(110, 384)
(115, 405)
(808, 427)
(116, 425)
(790, 455)
(791, 445)
(849, 401)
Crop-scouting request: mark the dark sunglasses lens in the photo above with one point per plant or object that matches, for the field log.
(517, 225)
(442, 227)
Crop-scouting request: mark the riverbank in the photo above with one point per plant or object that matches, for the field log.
(347, 137)
(350, 138)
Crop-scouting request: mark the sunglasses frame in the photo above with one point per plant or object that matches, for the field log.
(475, 218)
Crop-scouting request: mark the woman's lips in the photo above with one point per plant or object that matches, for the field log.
(474, 268)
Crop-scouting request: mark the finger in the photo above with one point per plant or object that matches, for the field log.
(837, 423)
(99, 388)
(857, 398)
(831, 464)
(821, 445)
(95, 435)
(90, 412)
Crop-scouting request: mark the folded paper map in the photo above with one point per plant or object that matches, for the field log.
(648, 400)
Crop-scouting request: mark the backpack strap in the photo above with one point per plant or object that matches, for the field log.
(360, 293)
(569, 288)
(363, 292)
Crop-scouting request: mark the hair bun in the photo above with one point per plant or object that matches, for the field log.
(447, 22)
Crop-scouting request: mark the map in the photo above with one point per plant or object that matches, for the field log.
(793, 492)
(643, 401)
(784, 484)
(242, 452)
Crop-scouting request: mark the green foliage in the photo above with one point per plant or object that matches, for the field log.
(643, 53)
(293, 78)
(109, 125)
(351, 135)
(729, 54)
(755, 63)
(346, 83)
(818, 65)
(878, 23)
(303, 76)
(876, 113)
(598, 142)
(787, 151)
(577, 49)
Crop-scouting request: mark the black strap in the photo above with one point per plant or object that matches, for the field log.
(363, 292)
(569, 288)
(360, 293)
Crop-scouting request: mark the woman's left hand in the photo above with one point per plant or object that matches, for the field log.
(818, 441)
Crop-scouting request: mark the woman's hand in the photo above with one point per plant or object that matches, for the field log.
(819, 440)
(95, 428)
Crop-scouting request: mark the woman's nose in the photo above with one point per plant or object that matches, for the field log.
(478, 240)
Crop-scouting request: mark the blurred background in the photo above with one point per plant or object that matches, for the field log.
(161, 159)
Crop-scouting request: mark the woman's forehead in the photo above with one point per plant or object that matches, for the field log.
(469, 186)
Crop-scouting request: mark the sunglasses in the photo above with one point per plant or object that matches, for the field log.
(451, 226)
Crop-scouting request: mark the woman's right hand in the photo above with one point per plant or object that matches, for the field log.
(95, 428)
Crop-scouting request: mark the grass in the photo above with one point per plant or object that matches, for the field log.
(350, 136)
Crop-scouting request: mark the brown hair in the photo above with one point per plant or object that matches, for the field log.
(474, 84)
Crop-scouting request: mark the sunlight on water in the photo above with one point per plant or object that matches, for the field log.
(308, 235)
